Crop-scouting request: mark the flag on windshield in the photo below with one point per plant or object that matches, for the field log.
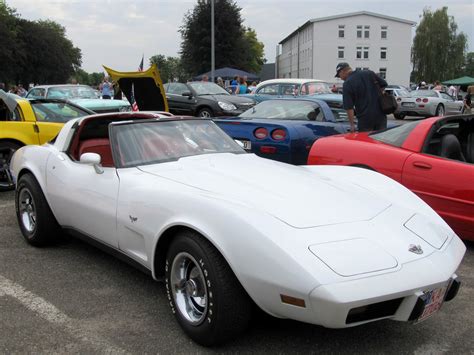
(140, 67)
(132, 99)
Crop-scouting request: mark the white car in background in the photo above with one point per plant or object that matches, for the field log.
(428, 103)
(177, 197)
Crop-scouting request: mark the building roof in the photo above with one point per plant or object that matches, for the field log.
(350, 14)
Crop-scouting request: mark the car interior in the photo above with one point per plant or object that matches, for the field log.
(452, 138)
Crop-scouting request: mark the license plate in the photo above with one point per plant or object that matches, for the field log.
(433, 302)
(247, 144)
(408, 104)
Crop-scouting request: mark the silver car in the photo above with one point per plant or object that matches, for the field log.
(428, 103)
(399, 93)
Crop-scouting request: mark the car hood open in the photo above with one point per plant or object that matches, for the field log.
(143, 87)
(290, 193)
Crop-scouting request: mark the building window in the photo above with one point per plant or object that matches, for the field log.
(340, 52)
(366, 31)
(359, 31)
(383, 32)
(341, 31)
(383, 53)
(366, 52)
(383, 73)
(359, 53)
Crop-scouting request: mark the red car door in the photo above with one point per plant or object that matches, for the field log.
(447, 186)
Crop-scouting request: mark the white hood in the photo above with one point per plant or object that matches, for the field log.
(292, 194)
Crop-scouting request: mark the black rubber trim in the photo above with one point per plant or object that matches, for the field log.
(453, 290)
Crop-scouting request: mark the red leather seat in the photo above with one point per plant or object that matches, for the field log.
(100, 146)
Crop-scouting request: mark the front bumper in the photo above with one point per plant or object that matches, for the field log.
(394, 295)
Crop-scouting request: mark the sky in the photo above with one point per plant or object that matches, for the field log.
(117, 33)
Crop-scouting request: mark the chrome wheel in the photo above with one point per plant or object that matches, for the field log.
(188, 288)
(440, 111)
(204, 114)
(27, 210)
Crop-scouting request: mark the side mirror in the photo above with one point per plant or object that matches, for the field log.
(92, 159)
(187, 93)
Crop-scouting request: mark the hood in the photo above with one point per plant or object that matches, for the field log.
(235, 99)
(143, 87)
(292, 194)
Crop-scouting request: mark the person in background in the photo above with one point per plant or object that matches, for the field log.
(21, 90)
(205, 78)
(252, 86)
(362, 90)
(452, 92)
(234, 85)
(242, 89)
(220, 82)
(106, 88)
(467, 103)
(421, 86)
(438, 86)
(2, 86)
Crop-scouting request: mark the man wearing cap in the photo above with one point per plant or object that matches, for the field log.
(361, 90)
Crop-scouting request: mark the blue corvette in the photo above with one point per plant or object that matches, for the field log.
(285, 129)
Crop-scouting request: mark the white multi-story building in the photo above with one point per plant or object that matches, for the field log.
(363, 39)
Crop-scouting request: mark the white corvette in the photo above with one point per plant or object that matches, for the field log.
(334, 246)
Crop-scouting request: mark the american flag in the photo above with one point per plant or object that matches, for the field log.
(132, 99)
(140, 67)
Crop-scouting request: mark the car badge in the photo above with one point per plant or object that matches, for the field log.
(415, 249)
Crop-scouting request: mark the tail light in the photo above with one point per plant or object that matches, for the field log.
(418, 100)
(260, 133)
(279, 134)
(425, 100)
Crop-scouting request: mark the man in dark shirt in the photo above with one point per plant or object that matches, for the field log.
(360, 91)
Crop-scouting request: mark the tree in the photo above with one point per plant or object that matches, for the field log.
(8, 43)
(469, 65)
(232, 48)
(254, 56)
(438, 50)
(170, 68)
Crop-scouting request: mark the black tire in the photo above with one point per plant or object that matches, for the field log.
(205, 112)
(399, 116)
(227, 309)
(6, 152)
(37, 223)
(440, 110)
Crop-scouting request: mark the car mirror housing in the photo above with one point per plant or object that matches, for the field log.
(187, 93)
(92, 159)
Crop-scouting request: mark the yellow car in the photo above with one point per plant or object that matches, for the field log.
(24, 122)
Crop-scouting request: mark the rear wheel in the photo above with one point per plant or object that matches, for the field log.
(37, 223)
(440, 110)
(399, 116)
(207, 299)
(7, 149)
(205, 113)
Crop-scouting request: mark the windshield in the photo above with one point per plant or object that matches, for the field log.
(315, 88)
(395, 136)
(157, 142)
(284, 110)
(59, 112)
(424, 93)
(206, 88)
(72, 92)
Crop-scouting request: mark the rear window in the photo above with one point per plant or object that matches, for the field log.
(395, 136)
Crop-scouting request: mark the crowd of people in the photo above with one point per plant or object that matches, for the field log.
(238, 85)
(15, 89)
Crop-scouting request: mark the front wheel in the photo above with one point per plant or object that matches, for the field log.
(7, 149)
(205, 113)
(439, 110)
(37, 223)
(207, 299)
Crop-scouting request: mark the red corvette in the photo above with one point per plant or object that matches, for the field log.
(433, 157)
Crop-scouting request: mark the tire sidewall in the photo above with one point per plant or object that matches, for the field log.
(207, 328)
(23, 183)
(205, 109)
(438, 109)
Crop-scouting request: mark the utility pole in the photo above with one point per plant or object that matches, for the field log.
(213, 59)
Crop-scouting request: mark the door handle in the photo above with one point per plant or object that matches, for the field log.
(36, 128)
(422, 165)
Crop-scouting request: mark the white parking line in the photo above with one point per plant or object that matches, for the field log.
(53, 315)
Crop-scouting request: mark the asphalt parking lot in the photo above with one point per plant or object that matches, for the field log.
(73, 298)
